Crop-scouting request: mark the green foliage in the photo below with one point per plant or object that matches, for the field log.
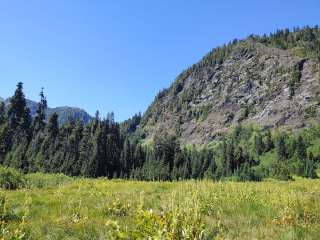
(118, 209)
(281, 147)
(41, 180)
(39, 121)
(296, 77)
(203, 112)
(129, 126)
(304, 42)
(103, 148)
(245, 111)
(280, 171)
(176, 223)
(10, 178)
(311, 112)
(18, 112)
(8, 218)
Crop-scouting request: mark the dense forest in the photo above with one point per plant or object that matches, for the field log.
(104, 148)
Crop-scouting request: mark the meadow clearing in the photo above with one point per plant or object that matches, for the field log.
(59, 207)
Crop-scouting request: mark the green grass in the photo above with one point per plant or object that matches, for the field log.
(103, 209)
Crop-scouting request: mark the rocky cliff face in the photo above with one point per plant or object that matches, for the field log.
(250, 81)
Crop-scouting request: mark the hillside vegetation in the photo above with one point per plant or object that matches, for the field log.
(272, 81)
(104, 149)
(230, 151)
(247, 111)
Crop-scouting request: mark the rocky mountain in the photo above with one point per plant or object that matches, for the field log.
(272, 81)
(63, 112)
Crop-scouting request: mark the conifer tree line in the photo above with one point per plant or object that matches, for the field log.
(104, 148)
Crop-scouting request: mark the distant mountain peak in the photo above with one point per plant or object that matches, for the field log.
(64, 112)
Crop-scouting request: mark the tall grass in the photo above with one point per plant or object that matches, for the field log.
(103, 209)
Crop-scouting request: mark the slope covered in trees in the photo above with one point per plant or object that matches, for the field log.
(103, 148)
(273, 81)
(232, 115)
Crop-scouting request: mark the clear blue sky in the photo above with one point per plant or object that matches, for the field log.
(116, 55)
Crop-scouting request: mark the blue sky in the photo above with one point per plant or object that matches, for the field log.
(116, 55)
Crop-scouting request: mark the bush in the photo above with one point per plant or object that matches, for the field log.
(11, 178)
(117, 208)
(178, 221)
(280, 171)
(41, 180)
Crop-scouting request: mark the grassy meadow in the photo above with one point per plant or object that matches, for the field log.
(59, 207)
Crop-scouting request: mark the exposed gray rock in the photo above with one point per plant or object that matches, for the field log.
(250, 86)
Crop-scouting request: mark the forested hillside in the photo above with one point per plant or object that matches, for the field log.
(100, 148)
(235, 114)
(272, 81)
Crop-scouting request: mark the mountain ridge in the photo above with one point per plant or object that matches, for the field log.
(64, 112)
(272, 81)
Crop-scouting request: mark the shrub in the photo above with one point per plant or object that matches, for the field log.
(117, 208)
(41, 180)
(280, 171)
(177, 221)
(11, 178)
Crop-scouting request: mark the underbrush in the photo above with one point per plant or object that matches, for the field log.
(11, 178)
(178, 220)
(41, 180)
(13, 225)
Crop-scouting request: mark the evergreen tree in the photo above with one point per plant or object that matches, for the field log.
(301, 149)
(4, 141)
(71, 164)
(139, 157)
(222, 165)
(177, 171)
(53, 126)
(281, 148)
(164, 147)
(230, 159)
(258, 144)
(39, 121)
(187, 171)
(86, 151)
(195, 164)
(2, 113)
(18, 112)
(90, 166)
(113, 145)
(268, 141)
(19, 119)
(310, 168)
(4, 133)
(209, 165)
(126, 159)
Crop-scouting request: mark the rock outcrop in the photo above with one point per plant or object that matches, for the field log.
(249, 81)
